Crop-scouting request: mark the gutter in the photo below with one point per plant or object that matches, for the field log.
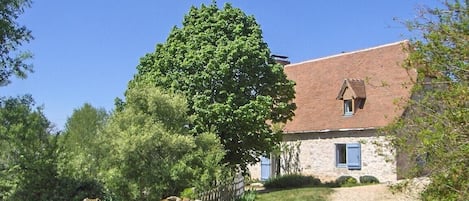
(330, 130)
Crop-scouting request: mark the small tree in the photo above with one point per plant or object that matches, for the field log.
(152, 154)
(290, 157)
(27, 157)
(435, 128)
(79, 149)
(285, 155)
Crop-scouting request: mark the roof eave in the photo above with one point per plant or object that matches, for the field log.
(330, 130)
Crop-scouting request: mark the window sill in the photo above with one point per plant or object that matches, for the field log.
(341, 165)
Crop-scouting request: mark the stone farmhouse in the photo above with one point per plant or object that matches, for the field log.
(342, 101)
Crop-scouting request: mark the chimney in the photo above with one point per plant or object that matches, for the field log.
(282, 60)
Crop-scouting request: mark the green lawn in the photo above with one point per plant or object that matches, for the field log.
(303, 194)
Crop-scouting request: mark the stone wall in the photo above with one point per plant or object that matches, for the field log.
(318, 155)
(255, 171)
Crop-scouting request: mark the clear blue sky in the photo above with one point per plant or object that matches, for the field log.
(87, 50)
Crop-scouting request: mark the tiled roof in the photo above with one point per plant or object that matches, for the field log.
(375, 70)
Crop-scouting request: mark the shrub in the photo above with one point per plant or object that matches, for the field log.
(331, 184)
(248, 196)
(291, 181)
(346, 180)
(188, 193)
(367, 179)
(60, 188)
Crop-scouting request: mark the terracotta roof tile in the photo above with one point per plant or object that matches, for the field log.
(377, 70)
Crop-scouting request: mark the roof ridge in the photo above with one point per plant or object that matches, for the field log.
(348, 53)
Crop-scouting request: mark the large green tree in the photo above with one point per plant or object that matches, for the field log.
(28, 157)
(27, 166)
(12, 36)
(220, 62)
(435, 127)
(79, 149)
(151, 152)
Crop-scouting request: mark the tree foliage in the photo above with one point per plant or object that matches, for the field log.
(28, 157)
(435, 130)
(12, 36)
(153, 154)
(27, 151)
(79, 149)
(219, 61)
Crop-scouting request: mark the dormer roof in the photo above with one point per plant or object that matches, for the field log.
(356, 86)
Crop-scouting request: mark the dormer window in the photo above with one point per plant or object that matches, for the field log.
(353, 95)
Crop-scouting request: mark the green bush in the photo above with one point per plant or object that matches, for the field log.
(60, 188)
(188, 193)
(346, 180)
(291, 181)
(248, 196)
(368, 179)
(331, 184)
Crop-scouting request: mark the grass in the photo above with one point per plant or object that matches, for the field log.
(303, 194)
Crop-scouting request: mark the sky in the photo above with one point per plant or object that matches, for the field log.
(87, 51)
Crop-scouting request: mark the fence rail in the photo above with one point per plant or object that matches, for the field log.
(227, 192)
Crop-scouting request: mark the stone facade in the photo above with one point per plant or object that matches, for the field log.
(317, 155)
(255, 171)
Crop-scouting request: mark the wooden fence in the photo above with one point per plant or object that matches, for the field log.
(227, 192)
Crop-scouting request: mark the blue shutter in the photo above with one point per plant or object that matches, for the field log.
(354, 161)
(265, 168)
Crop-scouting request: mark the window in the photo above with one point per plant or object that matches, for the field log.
(348, 109)
(348, 156)
(341, 150)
